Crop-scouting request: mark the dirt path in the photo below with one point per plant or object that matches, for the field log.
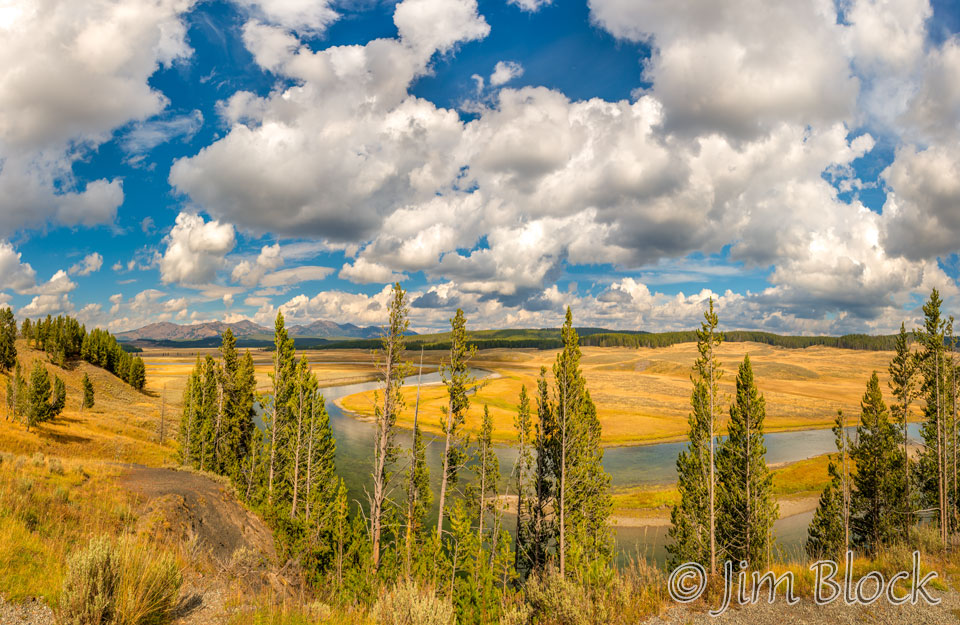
(195, 507)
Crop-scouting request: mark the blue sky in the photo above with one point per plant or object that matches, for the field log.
(192, 161)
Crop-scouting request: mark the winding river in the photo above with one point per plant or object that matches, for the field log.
(627, 466)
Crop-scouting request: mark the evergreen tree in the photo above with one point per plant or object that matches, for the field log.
(16, 393)
(484, 491)
(690, 517)
(321, 479)
(581, 499)
(828, 535)
(8, 339)
(902, 384)
(877, 480)
(539, 533)
(931, 472)
(38, 396)
(276, 422)
(59, 401)
(419, 495)
(825, 533)
(693, 519)
(457, 379)
(393, 370)
(88, 398)
(137, 374)
(524, 468)
(747, 509)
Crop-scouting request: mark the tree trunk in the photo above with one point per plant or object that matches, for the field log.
(380, 455)
(296, 455)
(710, 485)
(446, 469)
(313, 418)
(411, 487)
(563, 471)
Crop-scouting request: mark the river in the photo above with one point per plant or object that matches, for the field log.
(627, 466)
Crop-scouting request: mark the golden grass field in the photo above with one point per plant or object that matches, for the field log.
(643, 395)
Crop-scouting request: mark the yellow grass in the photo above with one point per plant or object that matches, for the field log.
(643, 395)
(49, 506)
(805, 478)
(123, 426)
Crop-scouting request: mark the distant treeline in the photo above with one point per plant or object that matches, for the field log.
(665, 339)
(550, 339)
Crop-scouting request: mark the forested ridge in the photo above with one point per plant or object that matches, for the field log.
(598, 337)
(36, 397)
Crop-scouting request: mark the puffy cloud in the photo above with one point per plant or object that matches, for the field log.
(306, 16)
(504, 72)
(48, 304)
(922, 211)
(195, 250)
(60, 282)
(15, 274)
(91, 263)
(362, 271)
(932, 113)
(740, 67)
(70, 74)
(438, 25)
(307, 161)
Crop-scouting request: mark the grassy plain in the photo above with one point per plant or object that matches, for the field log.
(643, 395)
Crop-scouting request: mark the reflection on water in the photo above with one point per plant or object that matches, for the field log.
(627, 466)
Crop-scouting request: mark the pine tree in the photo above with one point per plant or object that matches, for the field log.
(693, 519)
(581, 498)
(877, 480)
(321, 483)
(278, 418)
(488, 472)
(828, 535)
(825, 533)
(59, 401)
(16, 393)
(931, 363)
(522, 471)
(8, 338)
(38, 395)
(902, 384)
(419, 495)
(137, 374)
(690, 517)
(539, 534)
(457, 378)
(393, 371)
(88, 398)
(747, 509)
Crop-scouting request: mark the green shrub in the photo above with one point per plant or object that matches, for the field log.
(123, 583)
(55, 466)
(407, 604)
(90, 587)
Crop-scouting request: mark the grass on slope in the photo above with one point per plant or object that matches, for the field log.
(123, 425)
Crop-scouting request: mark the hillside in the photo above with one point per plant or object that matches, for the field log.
(123, 425)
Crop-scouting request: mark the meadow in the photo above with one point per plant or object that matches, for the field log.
(643, 394)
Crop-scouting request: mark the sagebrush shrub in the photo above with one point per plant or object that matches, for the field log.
(408, 604)
(122, 583)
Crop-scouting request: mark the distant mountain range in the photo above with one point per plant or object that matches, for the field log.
(165, 333)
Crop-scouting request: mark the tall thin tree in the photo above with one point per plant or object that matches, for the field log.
(392, 371)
